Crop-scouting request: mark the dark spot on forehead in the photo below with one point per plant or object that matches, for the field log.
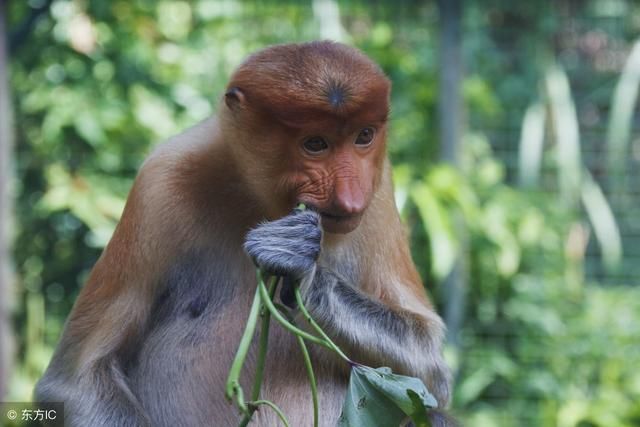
(337, 94)
(336, 97)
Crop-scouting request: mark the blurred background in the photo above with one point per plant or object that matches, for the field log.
(514, 135)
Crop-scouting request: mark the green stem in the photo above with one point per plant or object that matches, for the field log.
(264, 340)
(272, 406)
(233, 387)
(317, 327)
(307, 363)
(285, 323)
(263, 305)
(284, 310)
(312, 379)
(262, 349)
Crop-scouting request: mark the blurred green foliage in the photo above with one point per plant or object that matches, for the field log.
(96, 84)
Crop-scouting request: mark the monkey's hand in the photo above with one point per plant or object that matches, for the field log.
(286, 247)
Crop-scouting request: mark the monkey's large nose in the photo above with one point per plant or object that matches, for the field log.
(348, 197)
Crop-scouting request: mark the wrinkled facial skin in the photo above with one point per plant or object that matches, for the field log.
(322, 91)
(339, 180)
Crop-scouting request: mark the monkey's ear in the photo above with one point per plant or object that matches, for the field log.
(234, 98)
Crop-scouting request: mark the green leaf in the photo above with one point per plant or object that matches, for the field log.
(623, 105)
(603, 221)
(438, 225)
(89, 128)
(377, 397)
(531, 145)
(567, 133)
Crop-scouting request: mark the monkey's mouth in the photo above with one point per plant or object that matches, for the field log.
(340, 224)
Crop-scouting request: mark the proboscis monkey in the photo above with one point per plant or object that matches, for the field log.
(152, 335)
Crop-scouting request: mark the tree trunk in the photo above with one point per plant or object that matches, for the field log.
(451, 120)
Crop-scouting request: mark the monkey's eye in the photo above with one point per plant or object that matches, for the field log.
(365, 137)
(315, 145)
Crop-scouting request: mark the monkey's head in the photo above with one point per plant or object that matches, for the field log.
(309, 123)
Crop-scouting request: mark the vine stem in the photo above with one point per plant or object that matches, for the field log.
(325, 337)
(286, 324)
(262, 349)
(233, 387)
(312, 379)
(307, 364)
(264, 306)
(264, 340)
(273, 406)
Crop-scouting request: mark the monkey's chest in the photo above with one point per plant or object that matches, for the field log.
(180, 372)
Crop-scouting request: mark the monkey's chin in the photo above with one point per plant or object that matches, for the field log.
(340, 224)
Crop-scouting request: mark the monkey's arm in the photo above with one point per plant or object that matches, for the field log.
(88, 368)
(87, 371)
(380, 334)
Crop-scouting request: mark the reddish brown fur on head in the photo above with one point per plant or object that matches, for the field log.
(284, 95)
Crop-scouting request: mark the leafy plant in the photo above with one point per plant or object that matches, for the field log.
(574, 180)
(375, 397)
